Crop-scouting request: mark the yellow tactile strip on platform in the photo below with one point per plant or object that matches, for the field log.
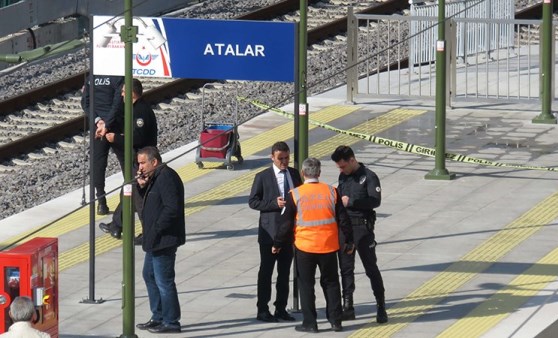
(191, 171)
(490, 312)
(424, 298)
(244, 182)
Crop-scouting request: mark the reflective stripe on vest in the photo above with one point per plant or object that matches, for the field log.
(316, 226)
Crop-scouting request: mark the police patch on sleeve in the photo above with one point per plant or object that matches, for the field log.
(139, 123)
(378, 189)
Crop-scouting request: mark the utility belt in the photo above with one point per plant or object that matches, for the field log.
(368, 222)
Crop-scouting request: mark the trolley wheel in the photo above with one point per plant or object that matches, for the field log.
(230, 167)
(200, 165)
(240, 159)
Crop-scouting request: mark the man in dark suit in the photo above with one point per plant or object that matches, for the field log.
(268, 196)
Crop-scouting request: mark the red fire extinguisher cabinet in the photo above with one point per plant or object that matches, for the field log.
(31, 269)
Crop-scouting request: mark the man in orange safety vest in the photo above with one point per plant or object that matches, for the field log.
(314, 211)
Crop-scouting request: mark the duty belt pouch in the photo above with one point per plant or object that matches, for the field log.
(371, 221)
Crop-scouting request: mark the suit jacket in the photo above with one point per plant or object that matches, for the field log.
(263, 197)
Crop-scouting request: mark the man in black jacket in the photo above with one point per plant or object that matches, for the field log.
(164, 231)
(268, 196)
(107, 111)
(145, 134)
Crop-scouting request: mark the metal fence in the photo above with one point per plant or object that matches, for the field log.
(484, 37)
(378, 54)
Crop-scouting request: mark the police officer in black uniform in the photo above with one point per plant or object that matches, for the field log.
(360, 191)
(108, 106)
(145, 134)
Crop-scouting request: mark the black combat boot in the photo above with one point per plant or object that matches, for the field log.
(348, 309)
(381, 314)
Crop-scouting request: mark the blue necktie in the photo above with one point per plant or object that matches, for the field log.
(285, 183)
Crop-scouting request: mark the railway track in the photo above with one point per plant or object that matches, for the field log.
(34, 124)
(28, 124)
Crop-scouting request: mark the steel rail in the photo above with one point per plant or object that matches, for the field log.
(169, 90)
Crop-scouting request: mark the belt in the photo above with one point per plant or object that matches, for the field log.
(359, 221)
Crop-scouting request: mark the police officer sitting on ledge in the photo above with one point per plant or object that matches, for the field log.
(360, 191)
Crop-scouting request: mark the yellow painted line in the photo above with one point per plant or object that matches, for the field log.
(189, 172)
(507, 300)
(244, 182)
(456, 275)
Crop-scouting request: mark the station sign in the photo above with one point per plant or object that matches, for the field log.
(198, 49)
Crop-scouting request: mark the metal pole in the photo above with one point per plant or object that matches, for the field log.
(303, 105)
(91, 299)
(546, 67)
(128, 35)
(440, 172)
(297, 162)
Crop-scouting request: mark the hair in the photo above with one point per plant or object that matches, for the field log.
(311, 167)
(279, 146)
(137, 87)
(344, 153)
(22, 309)
(152, 153)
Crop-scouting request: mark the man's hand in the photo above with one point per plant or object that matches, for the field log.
(142, 179)
(281, 202)
(110, 137)
(101, 129)
(349, 248)
(345, 200)
(275, 250)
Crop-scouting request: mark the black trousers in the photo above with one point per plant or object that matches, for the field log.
(136, 198)
(101, 149)
(306, 264)
(366, 248)
(138, 207)
(267, 263)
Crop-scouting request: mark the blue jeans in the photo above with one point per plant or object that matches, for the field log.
(158, 274)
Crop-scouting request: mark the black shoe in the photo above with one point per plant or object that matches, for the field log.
(348, 314)
(148, 325)
(303, 328)
(165, 328)
(284, 315)
(138, 240)
(266, 317)
(337, 327)
(381, 315)
(102, 209)
(110, 228)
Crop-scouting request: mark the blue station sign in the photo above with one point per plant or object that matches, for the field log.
(202, 49)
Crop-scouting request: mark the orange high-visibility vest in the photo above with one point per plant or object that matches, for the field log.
(315, 224)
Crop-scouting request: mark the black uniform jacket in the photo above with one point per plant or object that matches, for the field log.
(108, 100)
(287, 221)
(145, 127)
(364, 191)
(263, 197)
(163, 210)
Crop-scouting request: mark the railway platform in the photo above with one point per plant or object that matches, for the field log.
(475, 256)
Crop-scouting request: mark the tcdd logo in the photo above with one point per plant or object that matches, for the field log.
(143, 60)
(144, 71)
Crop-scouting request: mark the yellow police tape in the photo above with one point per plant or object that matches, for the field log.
(402, 146)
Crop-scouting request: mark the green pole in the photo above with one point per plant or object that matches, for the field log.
(303, 104)
(128, 35)
(546, 67)
(440, 172)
